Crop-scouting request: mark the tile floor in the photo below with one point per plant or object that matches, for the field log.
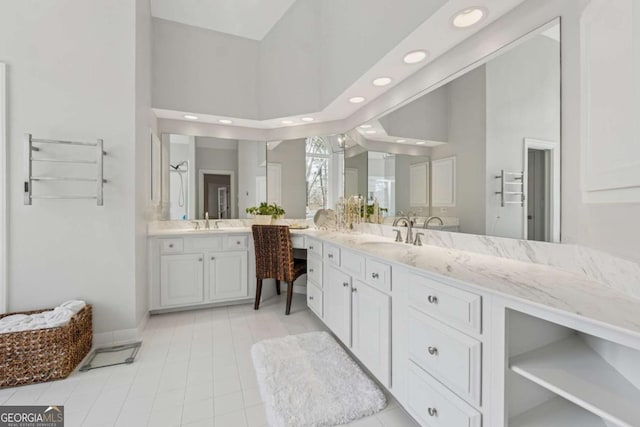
(194, 369)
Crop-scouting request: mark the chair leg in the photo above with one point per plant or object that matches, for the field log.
(278, 287)
(256, 305)
(289, 297)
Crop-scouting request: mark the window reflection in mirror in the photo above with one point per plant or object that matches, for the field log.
(491, 147)
(219, 176)
(306, 174)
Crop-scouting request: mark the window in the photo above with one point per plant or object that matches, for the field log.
(318, 169)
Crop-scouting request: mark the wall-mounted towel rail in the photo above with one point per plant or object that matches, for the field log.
(30, 179)
(518, 181)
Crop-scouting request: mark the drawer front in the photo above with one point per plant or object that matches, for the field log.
(314, 270)
(378, 275)
(453, 306)
(203, 244)
(353, 263)
(314, 246)
(450, 356)
(171, 246)
(435, 406)
(297, 242)
(332, 254)
(237, 242)
(314, 299)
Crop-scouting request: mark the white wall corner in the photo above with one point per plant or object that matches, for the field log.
(3, 191)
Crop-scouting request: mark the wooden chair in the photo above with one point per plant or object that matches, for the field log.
(274, 260)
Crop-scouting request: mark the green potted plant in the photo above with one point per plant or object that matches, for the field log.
(265, 213)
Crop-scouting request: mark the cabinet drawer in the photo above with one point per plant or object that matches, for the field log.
(453, 306)
(332, 254)
(378, 275)
(435, 406)
(171, 246)
(314, 299)
(297, 241)
(203, 244)
(352, 263)
(450, 356)
(314, 246)
(237, 242)
(314, 270)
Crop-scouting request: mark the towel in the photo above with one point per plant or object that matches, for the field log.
(59, 316)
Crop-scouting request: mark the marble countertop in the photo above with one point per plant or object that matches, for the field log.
(532, 283)
(212, 232)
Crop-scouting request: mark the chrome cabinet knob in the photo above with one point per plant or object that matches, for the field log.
(170, 245)
(237, 242)
(345, 284)
(432, 412)
(212, 258)
(433, 351)
(311, 298)
(432, 299)
(375, 275)
(200, 259)
(354, 289)
(311, 247)
(330, 255)
(311, 270)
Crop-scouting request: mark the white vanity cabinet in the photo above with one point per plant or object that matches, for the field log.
(315, 280)
(337, 306)
(196, 270)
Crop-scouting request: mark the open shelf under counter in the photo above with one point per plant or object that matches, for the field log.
(573, 370)
(556, 413)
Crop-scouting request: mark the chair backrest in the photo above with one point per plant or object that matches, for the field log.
(274, 252)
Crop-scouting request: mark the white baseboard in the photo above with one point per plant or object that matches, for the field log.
(122, 336)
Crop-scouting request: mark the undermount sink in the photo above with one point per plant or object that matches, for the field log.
(382, 244)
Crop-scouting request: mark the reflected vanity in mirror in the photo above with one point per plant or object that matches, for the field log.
(219, 176)
(305, 175)
(481, 151)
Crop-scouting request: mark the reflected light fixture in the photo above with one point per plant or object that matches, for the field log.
(365, 126)
(287, 122)
(401, 140)
(370, 132)
(225, 121)
(468, 17)
(307, 119)
(356, 100)
(415, 56)
(420, 142)
(382, 81)
(190, 117)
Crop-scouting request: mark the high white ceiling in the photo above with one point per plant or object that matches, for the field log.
(251, 19)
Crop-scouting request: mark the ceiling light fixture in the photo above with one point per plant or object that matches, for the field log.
(356, 100)
(365, 126)
(420, 143)
(415, 56)
(225, 121)
(190, 117)
(370, 132)
(307, 119)
(382, 81)
(287, 122)
(401, 140)
(468, 17)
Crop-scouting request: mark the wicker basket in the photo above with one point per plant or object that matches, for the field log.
(41, 355)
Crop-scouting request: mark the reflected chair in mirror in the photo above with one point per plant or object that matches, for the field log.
(274, 260)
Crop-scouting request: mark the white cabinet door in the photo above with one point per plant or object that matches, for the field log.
(372, 330)
(419, 185)
(181, 279)
(337, 303)
(227, 278)
(443, 174)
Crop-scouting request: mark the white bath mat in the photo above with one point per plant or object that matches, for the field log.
(308, 380)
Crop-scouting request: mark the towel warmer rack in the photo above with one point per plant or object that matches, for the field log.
(518, 181)
(30, 179)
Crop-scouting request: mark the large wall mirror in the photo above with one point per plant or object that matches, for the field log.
(481, 151)
(305, 175)
(219, 176)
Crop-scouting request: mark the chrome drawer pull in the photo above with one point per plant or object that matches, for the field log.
(170, 245)
(311, 247)
(432, 299)
(433, 351)
(375, 275)
(354, 289)
(311, 270)
(238, 242)
(311, 298)
(345, 284)
(330, 255)
(432, 412)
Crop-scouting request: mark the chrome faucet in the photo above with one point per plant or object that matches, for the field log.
(428, 220)
(196, 225)
(206, 221)
(409, 224)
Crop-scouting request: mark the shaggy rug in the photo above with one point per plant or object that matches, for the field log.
(308, 380)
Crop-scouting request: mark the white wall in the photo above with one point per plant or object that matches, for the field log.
(251, 165)
(204, 71)
(291, 155)
(71, 72)
(523, 101)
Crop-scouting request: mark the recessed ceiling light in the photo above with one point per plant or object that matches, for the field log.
(225, 121)
(307, 119)
(420, 142)
(401, 140)
(287, 122)
(365, 126)
(415, 56)
(370, 132)
(356, 99)
(468, 17)
(381, 81)
(190, 117)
